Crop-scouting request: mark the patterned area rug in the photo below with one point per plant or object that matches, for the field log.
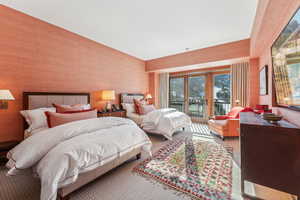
(200, 168)
(200, 129)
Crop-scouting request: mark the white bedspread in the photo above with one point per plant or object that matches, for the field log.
(61, 153)
(165, 121)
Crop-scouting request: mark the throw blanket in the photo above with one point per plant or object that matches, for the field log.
(165, 121)
(61, 153)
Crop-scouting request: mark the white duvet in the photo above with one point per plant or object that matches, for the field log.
(165, 121)
(60, 154)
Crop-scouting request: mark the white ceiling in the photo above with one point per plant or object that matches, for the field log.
(148, 29)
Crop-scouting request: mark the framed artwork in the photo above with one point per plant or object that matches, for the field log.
(286, 64)
(263, 81)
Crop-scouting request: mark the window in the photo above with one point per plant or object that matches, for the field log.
(176, 96)
(221, 92)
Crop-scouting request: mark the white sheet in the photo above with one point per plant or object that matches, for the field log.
(61, 153)
(165, 121)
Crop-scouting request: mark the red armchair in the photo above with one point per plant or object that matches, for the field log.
(227, 125)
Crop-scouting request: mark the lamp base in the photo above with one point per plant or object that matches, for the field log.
(108, 106)
(3, 105)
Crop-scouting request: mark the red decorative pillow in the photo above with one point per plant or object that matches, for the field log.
(221, 117)
(262, 107)
(78, 111)
(71, 108)
(247, 109)
(138, 105)
(56, 119)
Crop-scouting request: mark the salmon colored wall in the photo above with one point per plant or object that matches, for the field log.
(254, 82)
(154, 87)
(232, 50)
(37, 56)
(201, 70)
(271, 18)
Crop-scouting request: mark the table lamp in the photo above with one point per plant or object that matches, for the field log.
(147, 97)
(108, 95)
(5, 96)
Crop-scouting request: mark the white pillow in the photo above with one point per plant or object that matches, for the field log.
(36, 118)
(129, 107)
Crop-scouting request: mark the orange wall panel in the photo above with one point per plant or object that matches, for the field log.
(154, 88)
(37, 56)
(232, 50)
(254, 82)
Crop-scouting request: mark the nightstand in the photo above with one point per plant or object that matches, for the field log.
(5, 147)
(119, 113)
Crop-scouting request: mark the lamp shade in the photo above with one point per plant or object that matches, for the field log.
(6, 95)
(148, 96)
(108, 95)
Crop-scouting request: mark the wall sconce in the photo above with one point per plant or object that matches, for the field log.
(5, 96)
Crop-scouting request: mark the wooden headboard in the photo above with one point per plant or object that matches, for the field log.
(34, 100)
(128, 97)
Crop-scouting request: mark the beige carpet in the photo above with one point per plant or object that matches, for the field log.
(118, 184)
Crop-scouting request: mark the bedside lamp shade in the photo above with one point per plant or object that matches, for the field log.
(108, 95)
(148, 96)
(5, 96)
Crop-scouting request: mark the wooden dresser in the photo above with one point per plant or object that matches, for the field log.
(270, 154)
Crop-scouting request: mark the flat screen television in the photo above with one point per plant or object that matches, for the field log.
(286, 64)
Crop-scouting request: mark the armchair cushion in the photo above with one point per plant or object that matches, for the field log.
(220, 117)
(218, 125)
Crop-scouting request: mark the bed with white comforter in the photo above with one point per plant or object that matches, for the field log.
(163, 121)
(58, 155)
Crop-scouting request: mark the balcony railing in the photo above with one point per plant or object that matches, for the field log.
(198, 107)
(221, 106)
(177, 104)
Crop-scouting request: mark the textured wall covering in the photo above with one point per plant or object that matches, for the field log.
(272, 16)
(232, 50)
(154, 88)
(37, 56)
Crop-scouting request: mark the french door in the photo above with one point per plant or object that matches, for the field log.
(187, 94)
(201, 95)
(196, 98)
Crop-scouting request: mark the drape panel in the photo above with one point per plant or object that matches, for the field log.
(240, 84)
(164, 90)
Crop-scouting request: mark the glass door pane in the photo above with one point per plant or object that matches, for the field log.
(176, 96)
(221, 94)
(196, 97)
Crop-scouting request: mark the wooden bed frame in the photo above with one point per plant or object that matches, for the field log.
(84, 178)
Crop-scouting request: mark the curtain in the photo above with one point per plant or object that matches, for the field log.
(240, 84)
(163, 90)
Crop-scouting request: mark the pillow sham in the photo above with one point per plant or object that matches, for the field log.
(56, 119)
(67, 108)
(138, 104)
(36, 118)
